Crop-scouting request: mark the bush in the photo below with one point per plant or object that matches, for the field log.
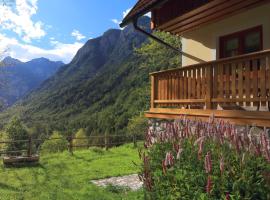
(137, 127)
(56, 143)
(80, 142)
(15, 130)
(196, 160)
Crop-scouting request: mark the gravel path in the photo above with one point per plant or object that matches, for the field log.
(131, 181)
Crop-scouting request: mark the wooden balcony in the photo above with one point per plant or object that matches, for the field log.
(236, 89)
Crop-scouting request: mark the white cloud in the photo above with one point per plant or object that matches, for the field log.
(19, 20)
(148, 14)
(126, 12)
(116, 21)
(75, 33)
(26, 52)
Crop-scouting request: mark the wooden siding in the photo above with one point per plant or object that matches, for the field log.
(231, 83)
(209, 11)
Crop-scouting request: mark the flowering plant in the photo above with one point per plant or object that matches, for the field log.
(186, 159)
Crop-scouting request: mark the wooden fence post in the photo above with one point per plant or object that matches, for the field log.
(106, 140)
(134, 141)
(70, 145)
(209, 87)
(29, 149)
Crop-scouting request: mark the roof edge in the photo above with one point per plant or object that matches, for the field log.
(128, 19)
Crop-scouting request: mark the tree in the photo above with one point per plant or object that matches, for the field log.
(137, 127)
(78, 139)
(56, 143)
(156, 55)
(15, 130)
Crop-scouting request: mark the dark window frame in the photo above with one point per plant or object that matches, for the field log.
(241, 36)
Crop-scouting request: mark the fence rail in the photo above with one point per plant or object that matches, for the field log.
(105, 141)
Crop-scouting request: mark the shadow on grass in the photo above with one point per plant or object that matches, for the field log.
(8, 187)
(24, 165)
(83, 159)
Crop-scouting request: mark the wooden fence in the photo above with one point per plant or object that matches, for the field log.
(32, 146)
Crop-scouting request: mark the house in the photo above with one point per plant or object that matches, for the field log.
(225, 55)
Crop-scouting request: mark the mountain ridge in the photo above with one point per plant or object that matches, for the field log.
(17, 78)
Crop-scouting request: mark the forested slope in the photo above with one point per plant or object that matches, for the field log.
(105, 85)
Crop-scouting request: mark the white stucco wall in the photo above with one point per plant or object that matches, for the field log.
(203, 42)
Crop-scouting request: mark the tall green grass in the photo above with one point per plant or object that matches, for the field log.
(65, 177)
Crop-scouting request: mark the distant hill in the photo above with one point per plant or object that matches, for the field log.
(105, 85)
(19, 78)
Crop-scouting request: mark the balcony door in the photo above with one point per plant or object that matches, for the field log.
(243, 42)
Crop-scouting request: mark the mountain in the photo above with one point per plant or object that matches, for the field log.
(19, 78)
(9, 61)
(105, 85)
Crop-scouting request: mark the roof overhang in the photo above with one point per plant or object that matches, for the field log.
(180, 16)
(141, 8)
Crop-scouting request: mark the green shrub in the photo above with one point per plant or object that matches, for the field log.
(137, 127)
(80, 139)
(56, 143)
(195, 160)
(15, 130)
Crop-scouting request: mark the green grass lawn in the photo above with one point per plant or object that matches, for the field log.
(62, 176)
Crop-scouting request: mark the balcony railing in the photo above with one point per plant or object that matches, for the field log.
(236, 83)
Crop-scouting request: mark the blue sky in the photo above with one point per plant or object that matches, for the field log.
(55, 29)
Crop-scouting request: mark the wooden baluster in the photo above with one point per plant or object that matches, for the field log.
(166, 86)
(209, 86)
(203, 83)
(227, 81)
(234, 82)
(174, 95)
(262, 83)
(267, 66)
(177, 80)
(181, 84)
(215, 82)
(255, 82)
(169, 86)
(189, 84)
(194, 83)
(220, 82)
(198, 83)
(152, 91)
(185, 85)
(247, 83)
(240, 81)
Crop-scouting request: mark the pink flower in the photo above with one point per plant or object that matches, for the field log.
(209, 185)
(179, 153)
(169, 159)
(221, 165)
(208, 163)
(227, 196)
(164, 169)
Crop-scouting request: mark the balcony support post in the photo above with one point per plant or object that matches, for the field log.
(209, 87)
(153, 91)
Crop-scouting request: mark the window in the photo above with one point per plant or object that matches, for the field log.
(243, 42)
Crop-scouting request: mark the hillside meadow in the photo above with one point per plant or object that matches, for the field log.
(62, 176)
